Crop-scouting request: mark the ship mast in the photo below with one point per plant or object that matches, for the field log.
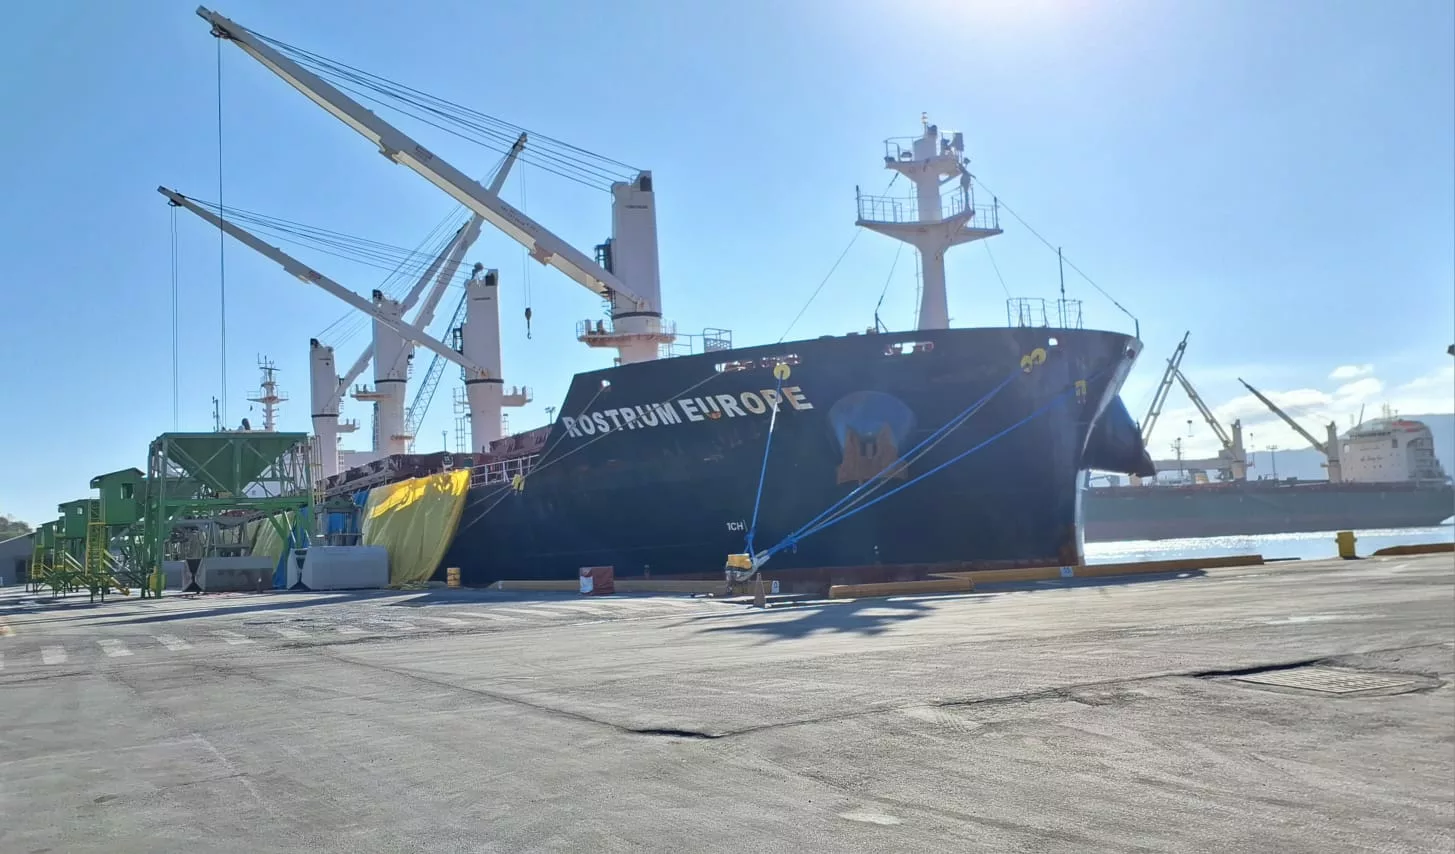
(930, 222)
(268, 394)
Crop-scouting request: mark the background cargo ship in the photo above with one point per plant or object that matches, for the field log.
(1383, 473)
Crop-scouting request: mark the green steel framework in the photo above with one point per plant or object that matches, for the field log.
(206, 481)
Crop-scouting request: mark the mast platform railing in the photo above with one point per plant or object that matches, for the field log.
(904, 210)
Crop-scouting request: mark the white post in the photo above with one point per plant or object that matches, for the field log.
(480, 342)
(323, 385)
(1335, 455)
(634, 260)
(934, 306)
(390, 377)
(1240, 454)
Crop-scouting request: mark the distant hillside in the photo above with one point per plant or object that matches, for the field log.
(1307, 464)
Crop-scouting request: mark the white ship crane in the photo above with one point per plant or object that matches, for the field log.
(931, 222)
(1232, 460)
(480, 358)
(390, 351)
(393, 426)
(629, 277)
(1329, 448)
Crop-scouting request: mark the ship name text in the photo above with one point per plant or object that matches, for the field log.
(705, 408)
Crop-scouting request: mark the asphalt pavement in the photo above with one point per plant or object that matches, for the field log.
(1298, 707)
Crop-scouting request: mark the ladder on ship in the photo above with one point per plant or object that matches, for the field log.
(425, 396)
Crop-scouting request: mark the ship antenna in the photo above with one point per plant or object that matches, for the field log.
(1061, 268)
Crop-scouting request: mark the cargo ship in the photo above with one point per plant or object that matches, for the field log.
(657, 467)
(928, 447)
(1387, 477)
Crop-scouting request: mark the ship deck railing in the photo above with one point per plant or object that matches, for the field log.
(502, 471)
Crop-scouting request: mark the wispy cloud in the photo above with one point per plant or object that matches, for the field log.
(1351, 372)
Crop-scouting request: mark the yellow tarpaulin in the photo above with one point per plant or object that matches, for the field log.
(266, 542)
(414, 520)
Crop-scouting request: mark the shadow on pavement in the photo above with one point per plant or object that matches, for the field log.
(222, 611)
(866, 617)
(465, 596)
(1108, 581)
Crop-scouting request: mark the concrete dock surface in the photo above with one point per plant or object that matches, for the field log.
(1293, 707)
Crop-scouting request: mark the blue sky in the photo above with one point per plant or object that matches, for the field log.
(1275, 177)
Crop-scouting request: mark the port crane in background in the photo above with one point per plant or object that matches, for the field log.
(1329, 448)
(1231, 462)
(628, 276)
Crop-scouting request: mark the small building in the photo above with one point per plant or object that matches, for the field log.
(15, 559)
(120, 496)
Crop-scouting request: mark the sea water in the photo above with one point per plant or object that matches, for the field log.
(1310, 546)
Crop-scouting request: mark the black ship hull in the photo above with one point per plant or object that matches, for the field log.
(655, 467)
(1122, 513)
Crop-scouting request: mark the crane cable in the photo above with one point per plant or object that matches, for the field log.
(525, 260)
(176, 327)
(1099, 289)
(221, 249)
(811, 297)
(560, 158)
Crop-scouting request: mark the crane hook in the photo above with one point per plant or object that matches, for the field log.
(527, 321)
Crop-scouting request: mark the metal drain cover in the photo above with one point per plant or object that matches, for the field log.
(1328, 680)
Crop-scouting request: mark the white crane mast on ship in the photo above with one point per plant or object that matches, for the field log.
(481, 349)
(630, 279)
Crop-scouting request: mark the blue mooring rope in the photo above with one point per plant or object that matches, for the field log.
(874, 483)
(806, 530)
(763, 472)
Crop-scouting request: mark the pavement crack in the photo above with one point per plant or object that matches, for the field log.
(1251, 671)
(481, 692)
(678, 733)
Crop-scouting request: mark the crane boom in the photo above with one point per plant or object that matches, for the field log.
(543, 245)
(450, 258)
(307, 274)
(1206, 413)
(425, 395)
(1322, 447)
(362, 362)
(468, 234)
(1160, 398)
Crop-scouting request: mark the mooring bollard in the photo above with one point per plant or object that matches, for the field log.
(452, 576)
(1345, 540)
